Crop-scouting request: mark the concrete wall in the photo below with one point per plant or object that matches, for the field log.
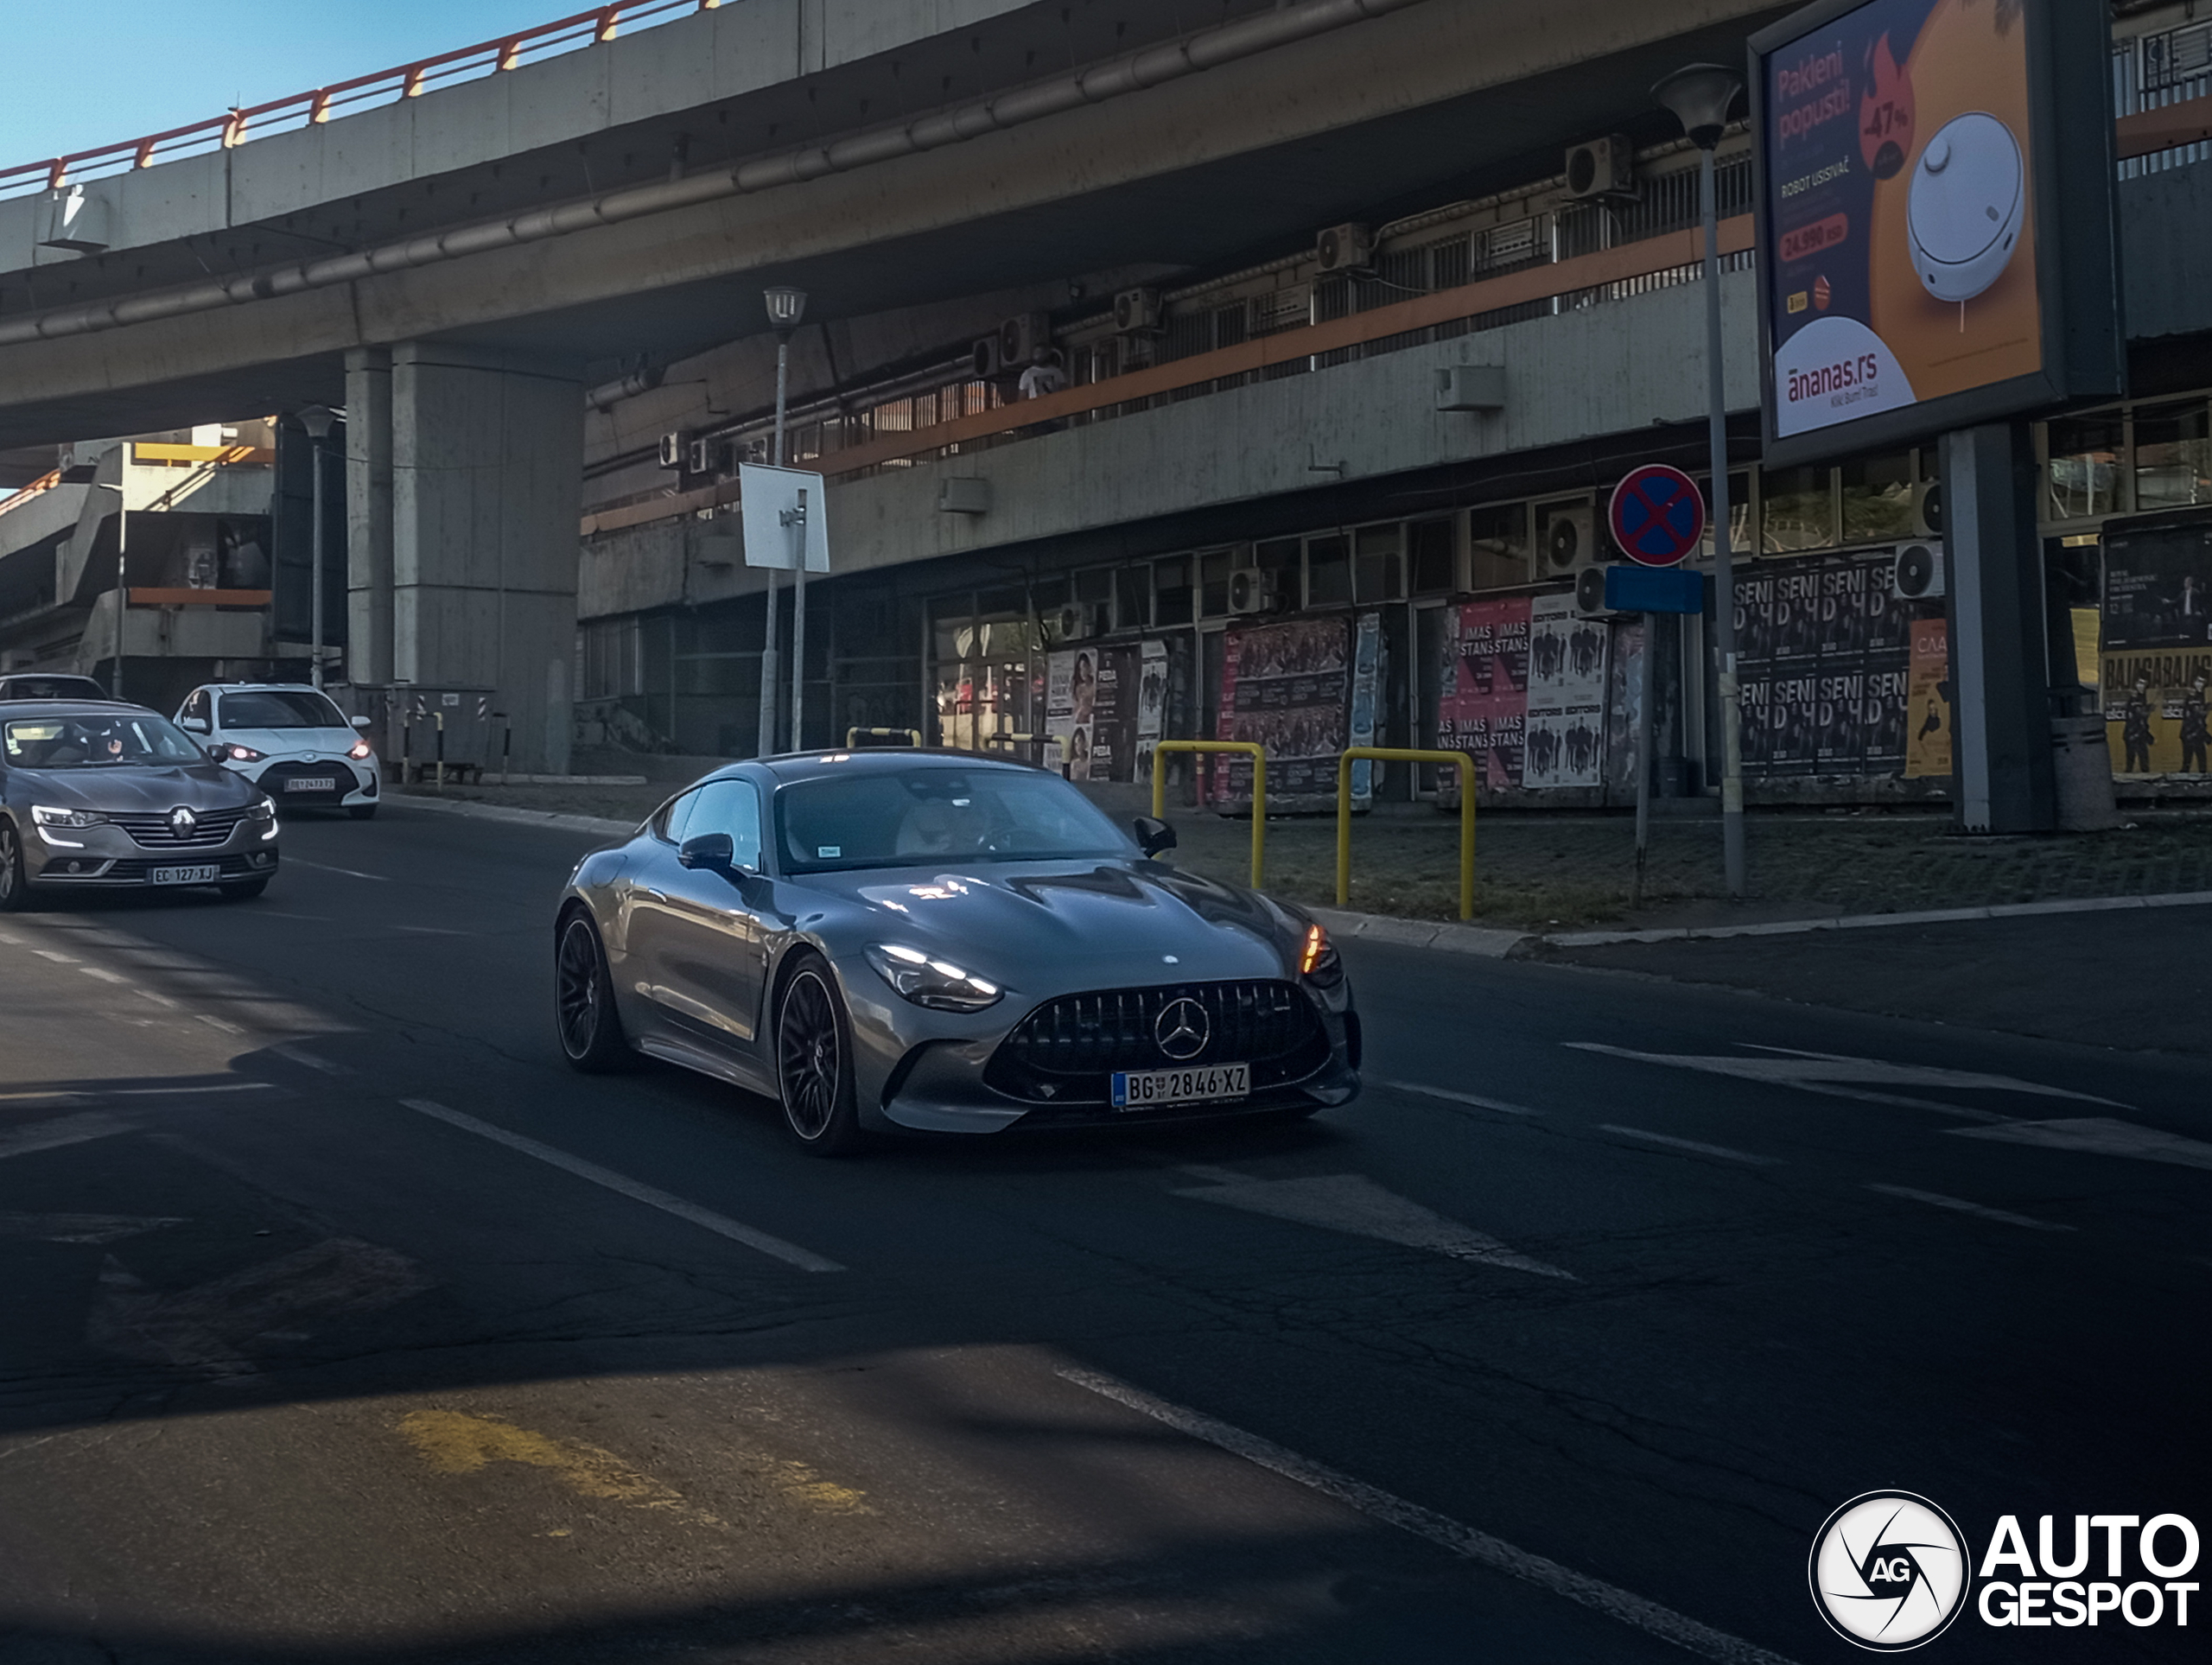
(1608, 368)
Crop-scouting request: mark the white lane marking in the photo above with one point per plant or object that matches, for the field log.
(295, 862)
(223, 1024)
(1961, 1205)
(1790, 1068)
(158, 999)
(1475, 1099)
(56, 955)
(1669, 1140)
(1461, 1540)
(105, 977)
(173, 1092)
(9, 939)
(806, 1259)
(293, 1054)
(1352, 1203)
(2102, 1136)
(1865, 1096)
(63, 1130)
(80, 1228)
(208, 1327)
(432, 930)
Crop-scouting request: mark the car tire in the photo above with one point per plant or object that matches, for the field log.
(246, 891)
(362, 811)
(584, 1016)
(814, 1061)
(15, 884)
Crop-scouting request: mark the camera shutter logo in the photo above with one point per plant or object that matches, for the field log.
(1889, 1571)
(1182, 1029)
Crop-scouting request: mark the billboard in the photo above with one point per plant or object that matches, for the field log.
(1935, 241)
(1826, 658)
(2155, 668)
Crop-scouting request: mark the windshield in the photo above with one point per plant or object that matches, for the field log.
(288, 708)
(51, 687)
(884, 819)
(92, 742)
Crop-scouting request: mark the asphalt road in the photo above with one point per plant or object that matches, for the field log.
(344, 1324)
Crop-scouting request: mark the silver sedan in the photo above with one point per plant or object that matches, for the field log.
(937, 942)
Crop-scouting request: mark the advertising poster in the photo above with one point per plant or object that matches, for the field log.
(1152, 704)
(1824, 649)
(1564, 741)
(1900, 267)
(1483, 698)
(1366, 692)
(1928, 702)
(1059, 703)
(1288, 687)
(1624, 706)
(1112, 730)
(2156, 664)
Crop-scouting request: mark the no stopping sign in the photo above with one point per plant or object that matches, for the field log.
(1656, 515)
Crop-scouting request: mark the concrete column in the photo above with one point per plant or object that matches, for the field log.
(2001, 772)
(487, 488)
(368, 515)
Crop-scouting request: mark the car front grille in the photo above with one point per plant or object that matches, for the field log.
(1064, 1052)
(154, 832)
(340, 776)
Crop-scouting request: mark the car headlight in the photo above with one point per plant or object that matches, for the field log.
(930, 982)
(1317, 959)
(47, 815)
(359, 750)
(262, 809)
(230, 752)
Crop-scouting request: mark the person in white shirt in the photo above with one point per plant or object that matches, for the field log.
(1044, 375)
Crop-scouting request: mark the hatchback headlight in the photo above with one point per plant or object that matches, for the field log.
(359, 750)
(934, 983)
(235, 753)
(47, 815)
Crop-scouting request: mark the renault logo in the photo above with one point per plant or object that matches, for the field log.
(182, 821)
(1182, 1029)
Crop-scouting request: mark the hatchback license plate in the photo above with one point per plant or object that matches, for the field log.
(185, 875)
(311, 784)
(1138, 1089)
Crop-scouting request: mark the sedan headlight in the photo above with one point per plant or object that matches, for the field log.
(231, 753)
(47, 815)
(1317, 959)
(934, 983)
(262, 815)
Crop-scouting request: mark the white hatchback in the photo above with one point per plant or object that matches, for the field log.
(290, 739)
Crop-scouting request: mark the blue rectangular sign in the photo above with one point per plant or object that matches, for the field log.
(1654, 589)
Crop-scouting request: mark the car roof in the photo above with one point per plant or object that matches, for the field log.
(19, 709)
(878, 759)
(259, 688)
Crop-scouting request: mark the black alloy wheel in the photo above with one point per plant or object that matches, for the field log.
(584, 1000)
(14, 887)
(814, 1063)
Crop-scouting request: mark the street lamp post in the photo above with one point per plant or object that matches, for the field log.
(1700, 96)
(786, 307)
(318, 420)
(122, 564)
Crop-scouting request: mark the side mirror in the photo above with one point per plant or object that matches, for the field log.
(360, 722)
(193, 725)
(218, 753)
(717, 852)
(1153, 836)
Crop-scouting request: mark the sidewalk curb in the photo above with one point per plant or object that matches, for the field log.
(1871, 921)
(1480, 940)
(550, 818)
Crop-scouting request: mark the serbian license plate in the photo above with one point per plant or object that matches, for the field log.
(207, 875)
(311, 784)
(1140, 1090)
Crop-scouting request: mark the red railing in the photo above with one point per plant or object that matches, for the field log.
(301, 109)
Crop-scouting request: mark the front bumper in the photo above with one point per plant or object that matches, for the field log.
(352, 782)
(107, 858)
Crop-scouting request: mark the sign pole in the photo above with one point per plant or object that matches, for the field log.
(1724, 563)
(765, 746)
(1644, 728)
(797, 520)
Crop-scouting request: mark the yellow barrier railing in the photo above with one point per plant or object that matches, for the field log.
(1248, 748)
(1397, 754)
(913, 736)
(984, 742)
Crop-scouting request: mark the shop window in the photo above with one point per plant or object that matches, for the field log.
(2082, 477)
(2173, 456)
(1214, 568)
(1097, 584)
(1171, 591)
(1740, 517)
(1328, 571)
(1279, 559)
(1133, 598)
(1007, 599)
(1796, 510)
(1048, 592)
(1378, 573)
(1877, 499)
(1497, 542)
(1428, 549)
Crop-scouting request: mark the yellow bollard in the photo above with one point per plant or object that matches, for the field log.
(1399, 754)
(1249, 748)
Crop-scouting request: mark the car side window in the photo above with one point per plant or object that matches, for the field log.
(670, 822)
(728, 806)
(196, 707)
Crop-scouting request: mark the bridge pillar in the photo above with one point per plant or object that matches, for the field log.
(368, 514)
(486, 491)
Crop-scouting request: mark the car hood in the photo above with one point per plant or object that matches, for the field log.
(323, 742)
(1050, 926)
(130, 788)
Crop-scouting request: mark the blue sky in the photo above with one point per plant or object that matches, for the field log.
(89, 73)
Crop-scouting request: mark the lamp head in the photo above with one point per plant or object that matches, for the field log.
(318, 420)
(785, 306)
(1700, 96)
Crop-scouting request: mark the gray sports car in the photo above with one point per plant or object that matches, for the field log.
(936, 941)
(106, 796)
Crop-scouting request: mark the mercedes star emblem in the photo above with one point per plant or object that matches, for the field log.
(1182, 1029)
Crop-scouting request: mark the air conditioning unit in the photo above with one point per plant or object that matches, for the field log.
(711, 455)
(1928, 509)
(1075, 621)
(1590, 594)
(675, 450)
(1136, 312)
(1021, 336)
(1570, 541)
(984, 361)
(1252, 589)
(1917, 575)
(1344, 248)
(1601, 167)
